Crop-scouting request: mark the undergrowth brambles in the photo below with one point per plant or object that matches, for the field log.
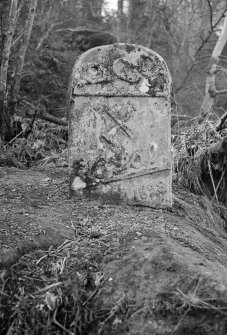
(199, 160)
(49, 297)
(45, 143)
(198, 164)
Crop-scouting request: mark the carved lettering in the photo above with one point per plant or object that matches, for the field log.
(120, 125)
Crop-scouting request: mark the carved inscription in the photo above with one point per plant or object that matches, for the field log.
(120, 126)
(154, 192)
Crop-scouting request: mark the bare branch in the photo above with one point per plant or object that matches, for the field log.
(45, 36)
(17, 39)
(19, 9)
(42, 114)
(211, 91)
(221, 122)
(220, 92)
(211, 14)
(203, 43)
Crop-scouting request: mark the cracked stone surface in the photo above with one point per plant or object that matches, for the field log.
(119, 146)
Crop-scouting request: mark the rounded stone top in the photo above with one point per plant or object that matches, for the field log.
(121, 70)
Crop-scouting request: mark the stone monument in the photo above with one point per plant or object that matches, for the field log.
(119, 126)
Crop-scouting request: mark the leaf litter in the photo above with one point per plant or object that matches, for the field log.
(56, 283)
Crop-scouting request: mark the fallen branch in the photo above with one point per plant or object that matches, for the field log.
(45, 116)
(53, 119)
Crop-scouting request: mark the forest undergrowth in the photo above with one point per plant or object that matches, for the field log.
(42, 294)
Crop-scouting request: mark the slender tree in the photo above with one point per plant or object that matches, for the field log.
(211, 91)
(6, 42)
(22, 49)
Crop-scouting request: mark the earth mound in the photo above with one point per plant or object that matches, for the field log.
(73, 266)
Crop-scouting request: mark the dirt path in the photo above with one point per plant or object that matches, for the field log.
(37, 212)
(36, 209)
(144, 251)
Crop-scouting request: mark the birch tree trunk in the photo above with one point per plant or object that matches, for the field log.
(22, 50)
(120, 17)
(211, 91)
(4, 66)
(120, 4)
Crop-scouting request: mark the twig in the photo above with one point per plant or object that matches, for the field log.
(222, 120)
(138, 311)
(59, 325)
(48, 287)
(40, 260)
(179, 322)
(47, 33)
(92, 296)
(3, 286)
(10, 329)
(131, 175)
(13, 139)
(19, 9)
(96, 291)
(221, 91)
(211, 14)
(113, 312)
(220, 180)
(45, 116)
(189, 304)
(212, 179)
(17, 39)
(63, 245)
(48, 253)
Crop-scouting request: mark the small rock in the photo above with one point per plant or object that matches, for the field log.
(139, 234)
(95, 234)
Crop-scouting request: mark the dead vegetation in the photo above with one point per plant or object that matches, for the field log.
(200, 159)
(57, 287)
(49, 297)
(55, 291)
(37, 142)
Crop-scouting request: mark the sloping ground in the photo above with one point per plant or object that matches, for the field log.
(147, 271)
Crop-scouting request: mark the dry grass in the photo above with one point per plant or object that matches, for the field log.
(192, 159)
(45, 292)
(40, 294)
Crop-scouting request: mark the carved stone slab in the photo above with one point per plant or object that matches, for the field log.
(119, 126)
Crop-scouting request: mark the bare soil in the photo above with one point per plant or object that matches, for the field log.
(166, 270)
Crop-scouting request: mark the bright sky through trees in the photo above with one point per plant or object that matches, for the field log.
(111, 5)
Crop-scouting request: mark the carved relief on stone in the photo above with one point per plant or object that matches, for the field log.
(120, 126)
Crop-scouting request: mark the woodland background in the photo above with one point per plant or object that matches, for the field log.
(60, 290)
(41, 40)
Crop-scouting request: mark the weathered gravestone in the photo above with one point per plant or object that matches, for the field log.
(119, 125)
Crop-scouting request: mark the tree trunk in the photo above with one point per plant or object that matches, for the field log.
(4, 67)
(120, 5)
(22, 50)
(211, 91)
